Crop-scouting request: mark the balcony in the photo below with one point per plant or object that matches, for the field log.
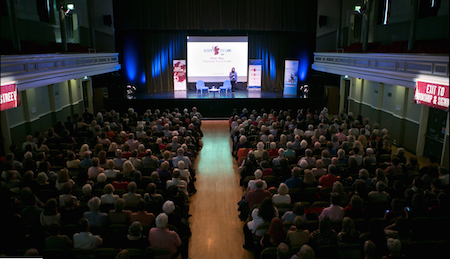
(397, 69)
(31, 71)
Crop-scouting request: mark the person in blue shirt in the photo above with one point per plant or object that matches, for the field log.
(295, 181)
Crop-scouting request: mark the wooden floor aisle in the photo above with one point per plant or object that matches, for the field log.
(216, 228)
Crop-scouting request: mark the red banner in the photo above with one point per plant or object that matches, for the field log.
(432, 95)
(9, 97)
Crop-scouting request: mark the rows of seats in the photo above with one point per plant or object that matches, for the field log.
(135, 156)
(408, 191)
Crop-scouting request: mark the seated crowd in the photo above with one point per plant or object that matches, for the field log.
(130, 191)
(321, 187)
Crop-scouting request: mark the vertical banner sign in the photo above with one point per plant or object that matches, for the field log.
(179, 75)
(254, 74)
(9, 97)
(290, 77)
(433, 95)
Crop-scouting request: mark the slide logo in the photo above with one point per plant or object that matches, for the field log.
(216, 50)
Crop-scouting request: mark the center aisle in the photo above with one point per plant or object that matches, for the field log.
(216, 228)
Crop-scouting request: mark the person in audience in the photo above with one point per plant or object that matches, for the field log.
(86, 162)
(131, 198)
(334, 212)
(413, 165)
(153, 200)
(395, 249)
(348, 234)
(259, 150)
(282, 196)
(328, 180)
(326, 158)
(339, 190)
(379, 176)
(164, 173)
(128, 169)
(141, 215)
(119, 215)
(256, 196)
(444, 176)
(325, 235)
(297, 236)
(276, 161)
(394, 167)
(50, 213)
(341, 156)
(111, 172)
(305, 252)
(397, 211)
(85, 240)
(72, 161)
(176, 180)
(379, 195)
(95, 168)
(309, 158)
(149, 161)
(418, 206)
(66, 192)
(443, 207)
(55, 240)
(109, 197)
(399, 230)
(135, 161)
(319, 171)
(296, 181)
(308, 180)
(370, 250)
(134, 238)
(94, 215)
(120, 183)
(275, 235)
(265, 168)
(181, 156)
(298, 210)
(162, 237)
(357, 156)
(119, 160)
(289, 152)
(264, 214)
(63, 179)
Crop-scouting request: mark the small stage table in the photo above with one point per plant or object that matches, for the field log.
(214, 90)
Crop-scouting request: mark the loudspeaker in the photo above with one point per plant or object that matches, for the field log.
(322, 20)
(107, 20)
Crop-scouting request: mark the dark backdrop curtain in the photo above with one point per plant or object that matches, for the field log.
(161, 48)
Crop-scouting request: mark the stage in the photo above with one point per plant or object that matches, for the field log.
(214, 104)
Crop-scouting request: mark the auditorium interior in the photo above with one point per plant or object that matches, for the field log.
(92, 130)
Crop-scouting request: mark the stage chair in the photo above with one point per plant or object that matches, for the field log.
(200, 86)
(226, 86)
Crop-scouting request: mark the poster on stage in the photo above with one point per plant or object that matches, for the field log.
(254, 74)
(179, 75)
(432, 95)
(9, 97)
(290, 77)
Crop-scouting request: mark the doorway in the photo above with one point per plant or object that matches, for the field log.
(434, 138)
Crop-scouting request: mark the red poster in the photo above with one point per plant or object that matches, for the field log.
(9, 97)
(432, 95)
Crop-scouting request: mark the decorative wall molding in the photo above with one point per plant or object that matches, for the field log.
(396, 69)
(32, 71)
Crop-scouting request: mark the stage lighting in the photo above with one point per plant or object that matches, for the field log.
(70, 6)
(346, 76)
(358, 8)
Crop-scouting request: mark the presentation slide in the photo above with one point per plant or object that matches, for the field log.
(211, 58)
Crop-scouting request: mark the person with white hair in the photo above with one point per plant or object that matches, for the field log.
(163, 238)
(395, 249)
(276, 161)
(282, 196)
(310, 131)
(260, 148)
(258, 175)
(309, 157)
(94, 216)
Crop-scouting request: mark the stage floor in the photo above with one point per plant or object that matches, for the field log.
(192, 94)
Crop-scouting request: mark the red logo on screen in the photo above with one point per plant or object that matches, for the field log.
(216, 50)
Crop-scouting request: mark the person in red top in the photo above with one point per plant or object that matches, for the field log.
(273, 149)
(258, 195)
(119, 183)
(265, 168)
(328, 179)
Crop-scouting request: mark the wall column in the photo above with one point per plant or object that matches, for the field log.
(404, 115)
(13, 24)
(6, 134)
(380, 103)
(423, 125)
